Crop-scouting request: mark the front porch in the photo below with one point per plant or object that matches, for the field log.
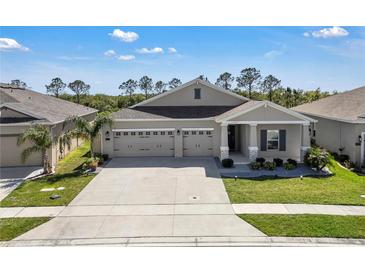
(243, 142)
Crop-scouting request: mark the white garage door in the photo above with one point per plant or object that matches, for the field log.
(144, 143)
(198, 142)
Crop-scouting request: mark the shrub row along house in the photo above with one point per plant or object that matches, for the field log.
(341, 123)
(19, 109)
(202, 119)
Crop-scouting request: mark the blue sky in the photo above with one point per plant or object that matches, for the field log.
(332, 58)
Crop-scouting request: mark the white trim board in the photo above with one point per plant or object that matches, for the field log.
(267, 123)
(142, 129)
(198, 129)
(197, 81)
(163, 120)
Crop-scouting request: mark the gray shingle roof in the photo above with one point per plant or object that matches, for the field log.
(171, 112)
(43, 107)
(345, 106)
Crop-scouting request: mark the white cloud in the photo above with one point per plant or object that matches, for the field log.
(272, 54)
(150, 51)
(110, 53)
(172, 50)
(124, 36)
(10, 44)
(126, 57)
(328, 33)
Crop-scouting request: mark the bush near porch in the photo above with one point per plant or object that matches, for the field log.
(344, 187)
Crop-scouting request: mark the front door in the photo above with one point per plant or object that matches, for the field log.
(231, 137)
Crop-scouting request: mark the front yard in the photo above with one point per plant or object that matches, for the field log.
(308, 225)
(69, 181)
(11, 228)
(344, 188)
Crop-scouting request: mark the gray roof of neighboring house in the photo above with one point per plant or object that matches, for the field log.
(43, 107)
(346, 106)
(171, 112)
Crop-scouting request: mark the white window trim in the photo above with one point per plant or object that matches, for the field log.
(267, 140)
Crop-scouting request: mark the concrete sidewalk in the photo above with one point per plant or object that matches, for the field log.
(180, 209)
(299, 209)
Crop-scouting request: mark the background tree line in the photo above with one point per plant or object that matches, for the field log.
(249, 83)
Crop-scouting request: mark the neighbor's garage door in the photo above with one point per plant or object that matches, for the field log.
(198, 142)
(144, 143)
(10, 153)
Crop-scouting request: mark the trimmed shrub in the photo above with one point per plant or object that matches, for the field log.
(292, 162)
(105, 157)
(269, 165)
(261, 160)
(289, 166)
(255, 165)
(278, 161)
(343, 157)
(228, 163)
(317, 158)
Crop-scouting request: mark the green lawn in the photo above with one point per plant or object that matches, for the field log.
(11, 228)
(344, 187)
(74, 159)
(29, 194)
(308, 225)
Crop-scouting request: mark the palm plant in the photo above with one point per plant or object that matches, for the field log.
(89, 130)
(41, 138)
(65, 141)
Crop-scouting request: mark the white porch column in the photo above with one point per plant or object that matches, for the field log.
(252, 143)
(224, 149)
(305, 142)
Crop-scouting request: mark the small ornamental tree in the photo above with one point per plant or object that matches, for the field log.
(317, 158)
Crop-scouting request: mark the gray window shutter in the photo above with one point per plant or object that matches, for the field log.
(263, 139)
(282, 139)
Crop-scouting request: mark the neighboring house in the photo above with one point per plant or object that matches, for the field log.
(201, 119)
(19, 109)
(341, 123)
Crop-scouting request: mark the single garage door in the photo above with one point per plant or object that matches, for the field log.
(131, 143)
(198, 142)
(10, 154)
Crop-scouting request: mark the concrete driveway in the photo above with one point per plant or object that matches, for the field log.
(149, 197)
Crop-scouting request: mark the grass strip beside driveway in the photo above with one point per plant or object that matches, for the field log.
(29, 193)
(343, 188)
(308, 225)
(74, 159)
(11, 228)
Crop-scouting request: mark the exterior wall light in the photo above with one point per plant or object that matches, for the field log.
(178, 132)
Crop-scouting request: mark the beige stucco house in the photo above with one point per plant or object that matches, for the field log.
(341, 123)
(19, 109)
(201, 119)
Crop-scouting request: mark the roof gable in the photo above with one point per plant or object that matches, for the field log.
(258, 111)
(184, 96)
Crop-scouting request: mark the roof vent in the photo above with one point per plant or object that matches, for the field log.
(29, 97)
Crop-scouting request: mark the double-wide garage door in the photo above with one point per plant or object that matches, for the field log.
(144, 143)
(161, 142)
